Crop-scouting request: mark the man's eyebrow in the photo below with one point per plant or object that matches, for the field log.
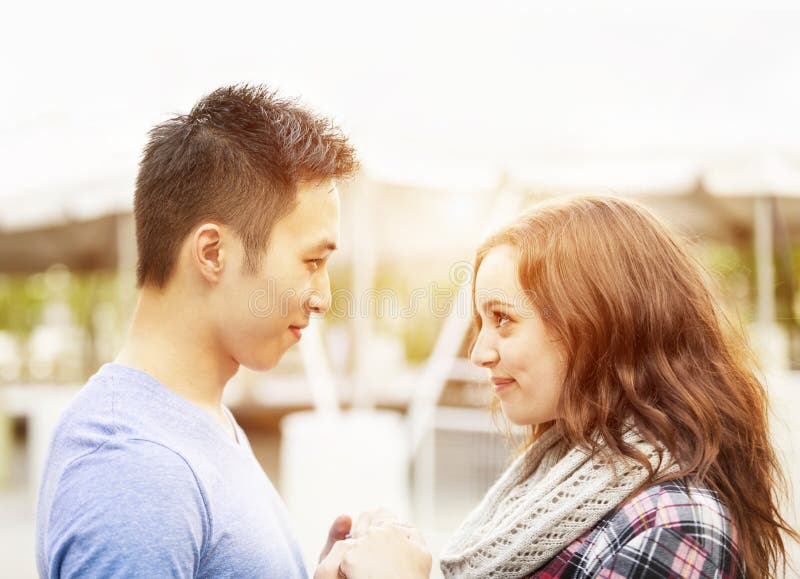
(324, 245)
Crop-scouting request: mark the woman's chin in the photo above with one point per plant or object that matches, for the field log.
(514, 418)
(518, 419)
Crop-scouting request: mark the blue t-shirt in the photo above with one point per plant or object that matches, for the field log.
(139, 482)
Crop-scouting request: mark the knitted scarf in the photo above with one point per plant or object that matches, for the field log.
(526, 520)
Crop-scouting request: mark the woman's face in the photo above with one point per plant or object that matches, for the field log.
(525, 362)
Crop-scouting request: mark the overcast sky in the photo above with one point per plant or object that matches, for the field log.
(463, 88)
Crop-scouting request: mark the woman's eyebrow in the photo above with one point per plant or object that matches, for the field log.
(494, 303)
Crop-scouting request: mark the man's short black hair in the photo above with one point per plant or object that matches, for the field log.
(235, 159)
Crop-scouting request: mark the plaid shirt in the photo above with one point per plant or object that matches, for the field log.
(662, 532)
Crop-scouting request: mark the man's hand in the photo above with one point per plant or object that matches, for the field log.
(339, 531)
(330, 566)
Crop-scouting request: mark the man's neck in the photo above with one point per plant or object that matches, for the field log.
(169, 341)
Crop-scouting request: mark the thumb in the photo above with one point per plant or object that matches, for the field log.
(338, 531)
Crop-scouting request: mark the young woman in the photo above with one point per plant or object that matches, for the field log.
(649, 454)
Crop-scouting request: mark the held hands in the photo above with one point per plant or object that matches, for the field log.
(387, 550)
(381, 546)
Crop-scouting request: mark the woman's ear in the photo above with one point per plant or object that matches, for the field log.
(207, 251)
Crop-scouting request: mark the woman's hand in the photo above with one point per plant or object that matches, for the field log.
(368, 519)
(380, 518)
(386, 551)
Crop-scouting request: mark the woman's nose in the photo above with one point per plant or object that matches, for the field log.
(484, 354)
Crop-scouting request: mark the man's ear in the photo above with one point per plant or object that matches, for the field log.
(207, 252)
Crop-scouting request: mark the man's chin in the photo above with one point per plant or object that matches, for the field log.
(262, 366)
(265, 362)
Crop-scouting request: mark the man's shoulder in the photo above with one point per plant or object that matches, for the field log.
(126, 482)
(130, 504)
(113, 417)
(84, 426)
(118, 443)
(132, 459)
(94, 459)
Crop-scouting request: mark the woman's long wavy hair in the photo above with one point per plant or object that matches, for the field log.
(649, 341)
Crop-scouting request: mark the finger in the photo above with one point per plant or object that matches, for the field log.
(411, 533)
(408, 531)
(370, 518)
(338, 531)
(362, 525)
(329, 566)
(340, 528)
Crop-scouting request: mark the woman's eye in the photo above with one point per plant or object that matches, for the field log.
(501, 319)
(314, 264)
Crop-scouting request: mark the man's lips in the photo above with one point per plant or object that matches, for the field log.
(502, 383)
(298, 330)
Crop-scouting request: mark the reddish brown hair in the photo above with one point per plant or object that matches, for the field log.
(236, 159)
(648, 341)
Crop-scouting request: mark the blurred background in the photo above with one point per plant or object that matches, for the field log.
(463, 114)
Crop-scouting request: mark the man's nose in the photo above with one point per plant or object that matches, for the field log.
(319, 302)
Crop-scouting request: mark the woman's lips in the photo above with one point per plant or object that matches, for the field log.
(502, 383)
(296, 331)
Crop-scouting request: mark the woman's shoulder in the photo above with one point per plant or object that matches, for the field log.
(678, 522)
(673, 528)
(676, 504)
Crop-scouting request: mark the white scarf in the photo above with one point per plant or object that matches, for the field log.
(521, 524)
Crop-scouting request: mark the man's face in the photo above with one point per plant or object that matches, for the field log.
(260, 316)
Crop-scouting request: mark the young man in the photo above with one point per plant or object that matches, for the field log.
(148, 474)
